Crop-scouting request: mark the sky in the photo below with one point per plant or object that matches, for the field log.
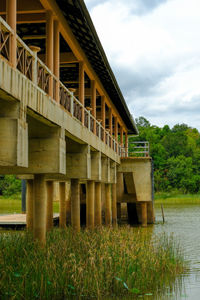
(153, 47)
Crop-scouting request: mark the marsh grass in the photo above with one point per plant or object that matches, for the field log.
(176, 198)
(105, 263)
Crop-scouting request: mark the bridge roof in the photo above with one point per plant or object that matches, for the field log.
(79, 20)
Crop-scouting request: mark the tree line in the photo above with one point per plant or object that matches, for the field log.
(176, 155)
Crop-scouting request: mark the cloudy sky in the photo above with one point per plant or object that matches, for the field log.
(153, 47)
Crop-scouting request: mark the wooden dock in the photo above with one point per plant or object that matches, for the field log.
(17, 221)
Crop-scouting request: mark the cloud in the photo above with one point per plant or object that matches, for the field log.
(154, 50)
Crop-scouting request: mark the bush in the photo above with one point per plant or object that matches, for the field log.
(10, 185)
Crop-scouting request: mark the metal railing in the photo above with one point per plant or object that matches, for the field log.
(136, 149)
(35, 70)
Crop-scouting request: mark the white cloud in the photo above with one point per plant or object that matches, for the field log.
(160, 53)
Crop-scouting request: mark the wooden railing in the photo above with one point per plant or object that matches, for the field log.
(35, 70)
(136, 149)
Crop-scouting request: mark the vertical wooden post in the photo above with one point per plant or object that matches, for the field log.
(144, 213)
(114, 204)
(116, 132)
(50, 193)
(150, 213)
(122, 140)
(62, 207)
(29, 204)
(11, 19)
(108, 211)
(111, 124)
(57, 58)
(75, 204)
(126, 144)
(119, 211)
(82, 88)
(98, 220)
(49, 47)
(93, 102)
(90, 204)
(39, 209)
(103, 114)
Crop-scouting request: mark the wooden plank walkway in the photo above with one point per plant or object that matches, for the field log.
(15, 220)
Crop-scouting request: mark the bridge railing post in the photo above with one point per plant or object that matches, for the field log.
(35, 50)
(72, 103)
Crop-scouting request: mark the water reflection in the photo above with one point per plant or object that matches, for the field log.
(183, 221)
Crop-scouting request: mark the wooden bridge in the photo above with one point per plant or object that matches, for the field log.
(63, 118)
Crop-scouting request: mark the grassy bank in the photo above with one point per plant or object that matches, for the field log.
(176, 198)
(103, 263)
(12, 204)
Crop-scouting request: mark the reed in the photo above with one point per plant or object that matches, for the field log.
(104, 263)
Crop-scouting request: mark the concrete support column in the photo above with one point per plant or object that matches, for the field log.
(90, 204)
(93, 102)
(144, 213)
(39, 211)
(150, 213)
(57, 58)
(49, 47)
(103, 114)
(11, 17)
(119, 211)
(50, 193)
(75, 204)
(68, 203)
(62, 206)
(82, 88)
(29, 204)
(108, 205)
(114, 204)
(98, 219)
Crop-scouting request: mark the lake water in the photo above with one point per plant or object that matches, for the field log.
(184, 222)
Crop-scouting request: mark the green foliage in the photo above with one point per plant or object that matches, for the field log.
(176, 155)
(9, 185)
(102, 264)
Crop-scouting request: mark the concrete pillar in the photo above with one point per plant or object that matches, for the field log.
(144, 213)
(108, 205)
(120, 187)
(57, 58)
(39, 211)
(75, 204)
(29, 204)
(119, 211)
(82, 87)
(49, 47)
(11, 19)
(114, 204)
(103, 115)
(62, 206)
(68, 203)
(50, 194)
(150, 213)
(90, 204)
(98, 219)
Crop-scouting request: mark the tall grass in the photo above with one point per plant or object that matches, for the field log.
(104, 263)
(176, 198)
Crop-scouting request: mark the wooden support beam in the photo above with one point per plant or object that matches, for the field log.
(49, 47)
(82, 87)
(103, 114)
(93, 101)
(11, 19)
(126, 144)
(56, 63)
(24, 6)
(144, 213)
(65, 58)
(31, 18)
